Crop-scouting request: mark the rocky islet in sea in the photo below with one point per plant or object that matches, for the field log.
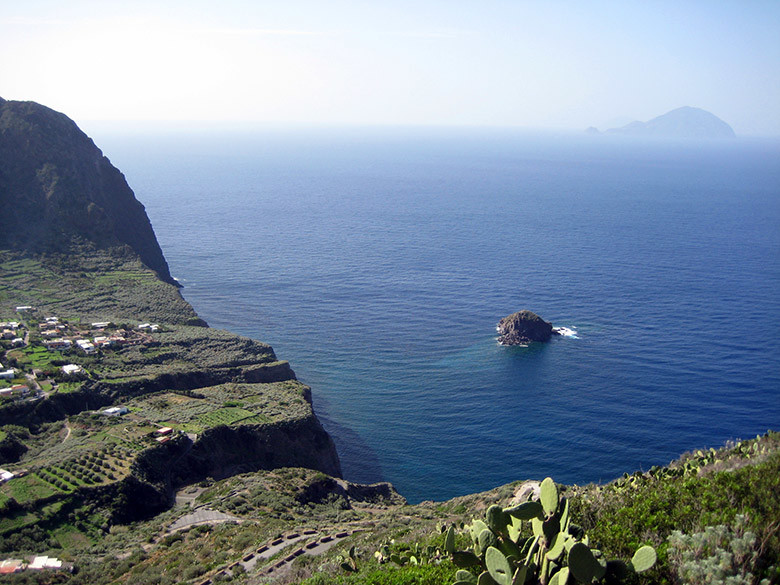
(524, 327)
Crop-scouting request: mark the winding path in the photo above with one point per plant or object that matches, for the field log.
(317, 544)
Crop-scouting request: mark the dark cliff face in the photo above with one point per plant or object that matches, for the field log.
(57, 188)
(224, 451)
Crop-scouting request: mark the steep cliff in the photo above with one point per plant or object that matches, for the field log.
(224, 451)
(57, 189)
(82, 247)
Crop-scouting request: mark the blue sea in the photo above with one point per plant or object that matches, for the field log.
(378, 262)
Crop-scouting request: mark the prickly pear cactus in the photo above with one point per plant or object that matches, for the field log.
(558, 552)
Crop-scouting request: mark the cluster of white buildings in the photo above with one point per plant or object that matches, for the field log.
(9, 331)
(52, 330)
(16, 389)
(11, 566)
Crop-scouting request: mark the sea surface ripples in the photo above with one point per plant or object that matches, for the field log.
(379, 264)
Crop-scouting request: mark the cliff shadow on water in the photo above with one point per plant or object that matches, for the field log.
(359, 462)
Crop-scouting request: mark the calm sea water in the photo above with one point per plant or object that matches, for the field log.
(379, 261)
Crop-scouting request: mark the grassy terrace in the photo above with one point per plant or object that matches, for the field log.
(225, 404)
(92, 284)
(174, 350)
(90, 450)
(177, 349)
(94, 449)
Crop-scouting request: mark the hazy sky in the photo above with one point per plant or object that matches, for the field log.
(473, 62)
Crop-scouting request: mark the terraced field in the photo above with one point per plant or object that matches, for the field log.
(225, 404)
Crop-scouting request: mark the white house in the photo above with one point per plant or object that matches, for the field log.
(58, 344)
(116, 411)
(85, 346)
(19, 390)
(7, 374)
(45, 563)
(71, 369)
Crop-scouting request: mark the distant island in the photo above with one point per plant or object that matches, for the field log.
(685, 122)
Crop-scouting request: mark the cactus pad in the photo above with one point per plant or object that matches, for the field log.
(643, 559)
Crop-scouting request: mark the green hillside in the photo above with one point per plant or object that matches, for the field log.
(140, 446)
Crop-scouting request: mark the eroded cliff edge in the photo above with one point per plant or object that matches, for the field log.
(87, 266)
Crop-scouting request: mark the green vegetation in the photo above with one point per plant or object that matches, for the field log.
(689, 496)
(29, 488)
(37, 357)
(411, 575)
(90, 283)
(718, 555)
(551, 550)
(199, 411)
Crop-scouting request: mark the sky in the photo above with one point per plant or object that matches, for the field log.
(535, 64)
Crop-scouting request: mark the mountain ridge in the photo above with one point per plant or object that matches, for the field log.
(684, 122)
(58, 185)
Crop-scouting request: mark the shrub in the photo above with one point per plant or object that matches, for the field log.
(720, 555)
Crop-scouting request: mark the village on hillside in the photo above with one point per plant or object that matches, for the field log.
(36, 363)
(38, 355)
(36, 349)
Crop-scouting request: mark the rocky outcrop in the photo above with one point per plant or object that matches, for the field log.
(60, 189)
(523, 327)
(224, 451)
(376, 494)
